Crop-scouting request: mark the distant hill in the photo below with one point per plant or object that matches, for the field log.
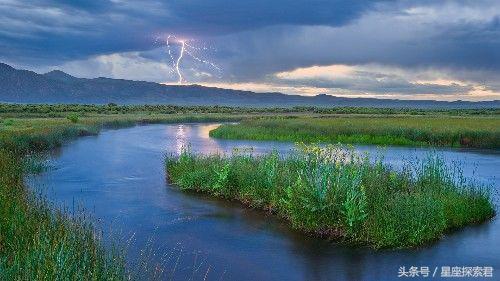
(23, 86)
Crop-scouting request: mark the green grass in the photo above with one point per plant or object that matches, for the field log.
(337, 193)
(477, 132)
(38, 241)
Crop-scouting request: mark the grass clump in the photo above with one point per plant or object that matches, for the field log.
(477, 132)
(334, 192)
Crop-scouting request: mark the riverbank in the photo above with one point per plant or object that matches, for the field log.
(38, 242)
(443, 131)
(334, 192)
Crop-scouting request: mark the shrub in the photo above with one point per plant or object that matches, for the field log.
(73, 117)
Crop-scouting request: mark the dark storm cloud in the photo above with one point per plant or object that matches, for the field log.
(218, 16)
(48, 32)
(378, 39)
(93, 6)
(66, 30)
(470, 45)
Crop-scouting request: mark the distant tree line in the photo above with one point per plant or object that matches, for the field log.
(55, 110)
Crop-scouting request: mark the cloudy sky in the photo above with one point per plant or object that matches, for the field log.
(445, 50)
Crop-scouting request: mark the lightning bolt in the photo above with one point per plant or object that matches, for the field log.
(183, 46)
(202, 60)
(186, 49)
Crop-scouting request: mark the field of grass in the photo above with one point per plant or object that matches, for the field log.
(38, 242)
(477, 132)
(336, 193)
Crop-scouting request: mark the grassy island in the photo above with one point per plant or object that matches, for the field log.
(334, 192)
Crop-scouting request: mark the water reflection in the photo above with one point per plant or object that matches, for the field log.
(120, 176)
(204, 131)
(181, 139)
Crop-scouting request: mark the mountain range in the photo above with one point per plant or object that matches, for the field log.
(24, 86)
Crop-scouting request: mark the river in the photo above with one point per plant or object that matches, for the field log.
(119, 177)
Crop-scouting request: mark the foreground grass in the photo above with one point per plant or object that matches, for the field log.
(38, 242)
(477, 132)
(336, 193)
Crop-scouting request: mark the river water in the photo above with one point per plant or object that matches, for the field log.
(119, 177)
